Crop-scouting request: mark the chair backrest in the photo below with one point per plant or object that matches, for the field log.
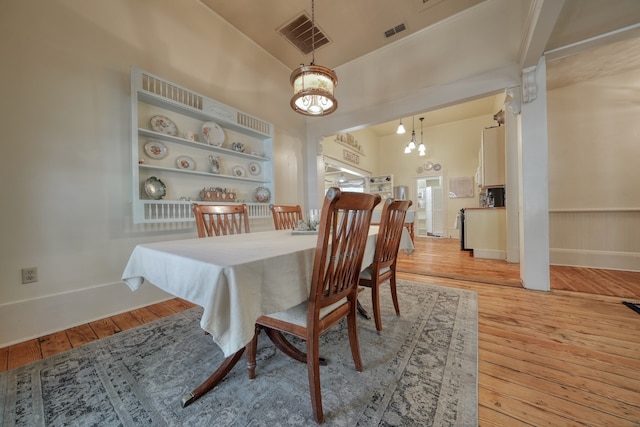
(286, 217)
(217, 220)
(390, 232)
(342, 238)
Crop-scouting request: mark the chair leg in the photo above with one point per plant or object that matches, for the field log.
(352, 327)
(394, 294)
(313, 369)
(375, 301)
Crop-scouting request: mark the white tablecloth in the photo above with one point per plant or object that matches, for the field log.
(236, 278)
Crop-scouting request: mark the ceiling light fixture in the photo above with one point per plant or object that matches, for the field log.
(313, 85)
(412, 144)
(400, 130)
(422, 150)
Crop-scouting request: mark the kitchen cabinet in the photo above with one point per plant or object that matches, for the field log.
(176, 137)
(485, 232)
(492, 157)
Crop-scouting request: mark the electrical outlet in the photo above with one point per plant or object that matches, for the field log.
(29, 275)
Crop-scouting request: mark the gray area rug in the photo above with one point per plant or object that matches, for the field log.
(421, 370)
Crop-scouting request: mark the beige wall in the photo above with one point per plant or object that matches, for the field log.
(594, 143)
(455, 146)
(65, 168)
(368, 157)
(594, 171)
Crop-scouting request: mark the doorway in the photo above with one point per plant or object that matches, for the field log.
(337, 174)
(430, 209)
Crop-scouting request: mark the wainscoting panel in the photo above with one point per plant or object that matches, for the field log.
(596, 238)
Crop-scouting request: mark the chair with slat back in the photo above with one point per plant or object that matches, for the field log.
(219, 220)
(384, 261)
(342, 238)
(286, 217)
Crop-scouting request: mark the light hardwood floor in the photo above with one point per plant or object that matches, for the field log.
(559, 358)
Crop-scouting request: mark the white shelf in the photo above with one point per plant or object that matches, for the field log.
(152, 95)
(205, 174)
(382, 185)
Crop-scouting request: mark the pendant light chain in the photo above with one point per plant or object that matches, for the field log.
(313, 32)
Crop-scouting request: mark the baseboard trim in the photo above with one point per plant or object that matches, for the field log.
(490, 254)
(28, 319)
(626, 261)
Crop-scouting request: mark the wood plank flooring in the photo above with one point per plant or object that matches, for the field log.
(560, 358)
(443, 258)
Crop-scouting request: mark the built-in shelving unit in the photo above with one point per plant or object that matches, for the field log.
(382, 185)
(241, 172)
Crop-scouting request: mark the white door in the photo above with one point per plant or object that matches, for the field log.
(437, 210)
(430, 209)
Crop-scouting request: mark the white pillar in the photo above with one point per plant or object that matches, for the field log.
(534, 181)
(512, 137)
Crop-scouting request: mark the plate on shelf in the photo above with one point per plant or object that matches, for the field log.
(155, 149)
(254, 168)
(164, 125)
(213, 133)
(436, 167)
(419, 169)
(185, 162)
(262, 195)
(239, 171)
(155, 188)
(428, 166)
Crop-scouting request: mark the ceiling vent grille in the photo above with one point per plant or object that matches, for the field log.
(395, 30)
(299, 33)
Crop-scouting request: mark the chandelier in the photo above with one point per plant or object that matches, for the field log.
(313, 85)
(422, 149)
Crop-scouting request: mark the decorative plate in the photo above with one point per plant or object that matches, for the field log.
(254, 168)
(155, 188)
(428, 166)
(239, 171)
(213, 133)
(164, 125)
(436, 167)
(155, 149)
(185, 162)
(419, 169)
(262, 195)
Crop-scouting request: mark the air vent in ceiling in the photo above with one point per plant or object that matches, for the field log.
(395, 30)
(299, 33)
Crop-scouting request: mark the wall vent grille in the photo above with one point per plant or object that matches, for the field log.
(395, 30)
(298, 32)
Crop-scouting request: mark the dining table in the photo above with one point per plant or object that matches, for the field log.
(235, 279)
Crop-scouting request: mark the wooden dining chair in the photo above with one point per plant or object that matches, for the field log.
(218, 220)
(342, 238)
(383, 267)
(286, 217)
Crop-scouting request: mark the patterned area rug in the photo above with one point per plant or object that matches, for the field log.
(422, 370)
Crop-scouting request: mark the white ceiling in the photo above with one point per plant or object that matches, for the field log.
(356, 28)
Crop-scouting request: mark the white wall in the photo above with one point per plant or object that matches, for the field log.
(64, 114)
